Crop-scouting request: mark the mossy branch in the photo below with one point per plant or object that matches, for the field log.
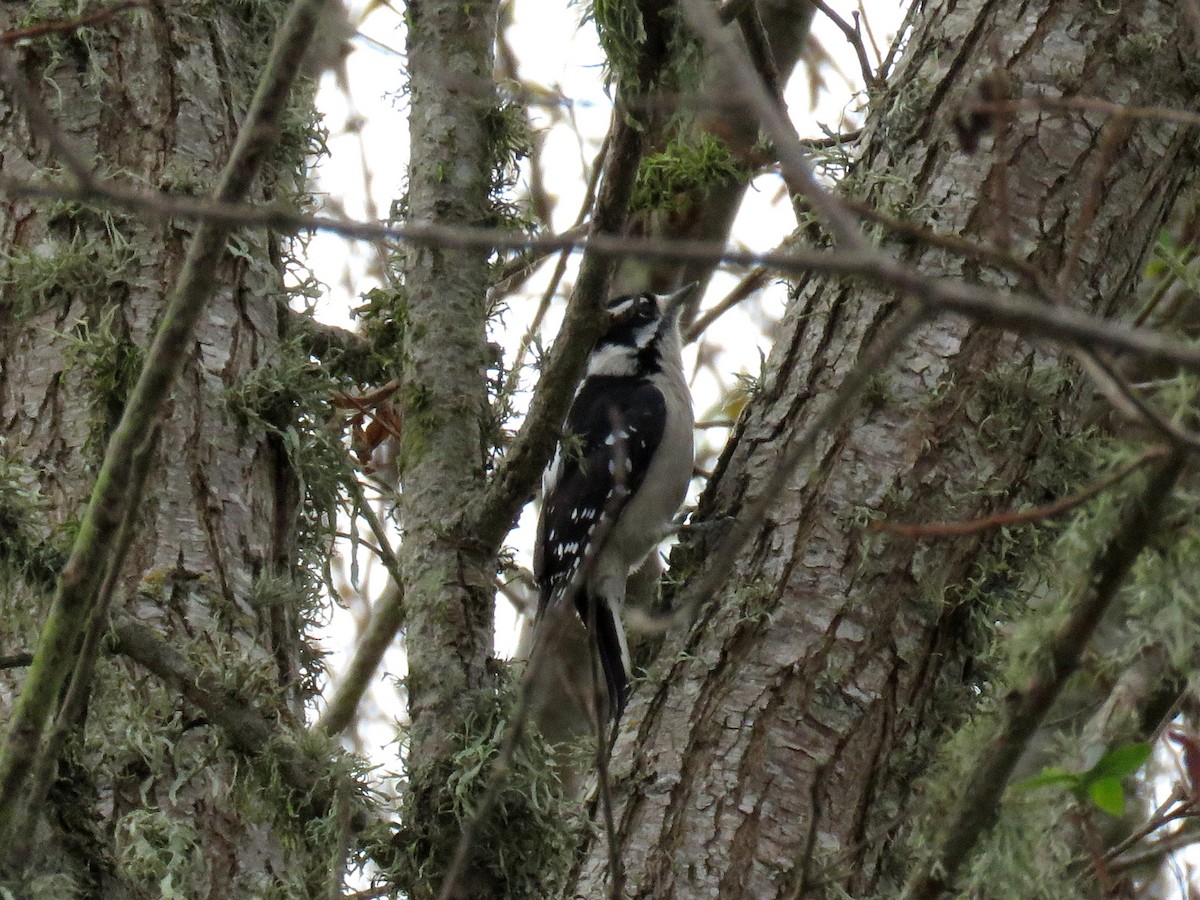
(247, 730)
(1024, 711)
(81, 579)
(339, 348)
(74, 702)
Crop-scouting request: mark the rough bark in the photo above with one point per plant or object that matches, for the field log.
(146, 792)
(775, 744)
(448, 580)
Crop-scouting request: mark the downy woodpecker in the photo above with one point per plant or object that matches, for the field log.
(619, 474)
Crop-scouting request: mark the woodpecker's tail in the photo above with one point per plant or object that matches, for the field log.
(610, 644)
(608, 637)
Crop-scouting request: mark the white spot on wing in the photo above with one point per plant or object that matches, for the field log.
(552, 473)
(613, 437)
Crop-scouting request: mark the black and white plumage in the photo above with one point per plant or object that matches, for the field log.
(619, 474)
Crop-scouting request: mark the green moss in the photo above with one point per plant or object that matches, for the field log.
(1009, 608)
(622, 32)
(509, 140)
(303, 140)
(27, 549)
(907, 109)
(1029, 853)
(301, 135)
(421, 421)
(160, 851)
(684, 172)
(109, 363)
(754, 603)
(288, 399)
(338, 805)
(76, 47)
(523, 844)
(33, 280)
(383, 315)
(1139, 48)
(878, 393)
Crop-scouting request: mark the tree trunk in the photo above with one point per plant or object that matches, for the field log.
(146, 799)
(773, 748)
(447, 578)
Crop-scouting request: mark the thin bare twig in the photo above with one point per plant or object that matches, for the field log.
(1176, 806)
(34, 31)
(604, 742)
(517, 271)
(387, 618)
(866, 23)
(1016, 312)
(750, 283)
(731, 9)
(853, 35)
(1043, 102)
(1125, 398)
(1009, 519)
(1154, 854)
(1114, 133)
(915, 11)
(616, 867)
(560, 268)
(384, 551)
(758, 47)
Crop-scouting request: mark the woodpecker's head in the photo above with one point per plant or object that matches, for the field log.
(643, 330)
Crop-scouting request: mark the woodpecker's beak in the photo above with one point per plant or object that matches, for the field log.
(673, 303)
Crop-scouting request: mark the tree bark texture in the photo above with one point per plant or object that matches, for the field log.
(146, 793)
(773, 748)
(447, 576)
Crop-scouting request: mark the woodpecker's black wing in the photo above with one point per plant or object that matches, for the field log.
(584, 476)
(614, 422)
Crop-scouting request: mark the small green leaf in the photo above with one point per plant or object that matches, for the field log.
(1049, 777)
(1120, 763)
(1108, 794)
